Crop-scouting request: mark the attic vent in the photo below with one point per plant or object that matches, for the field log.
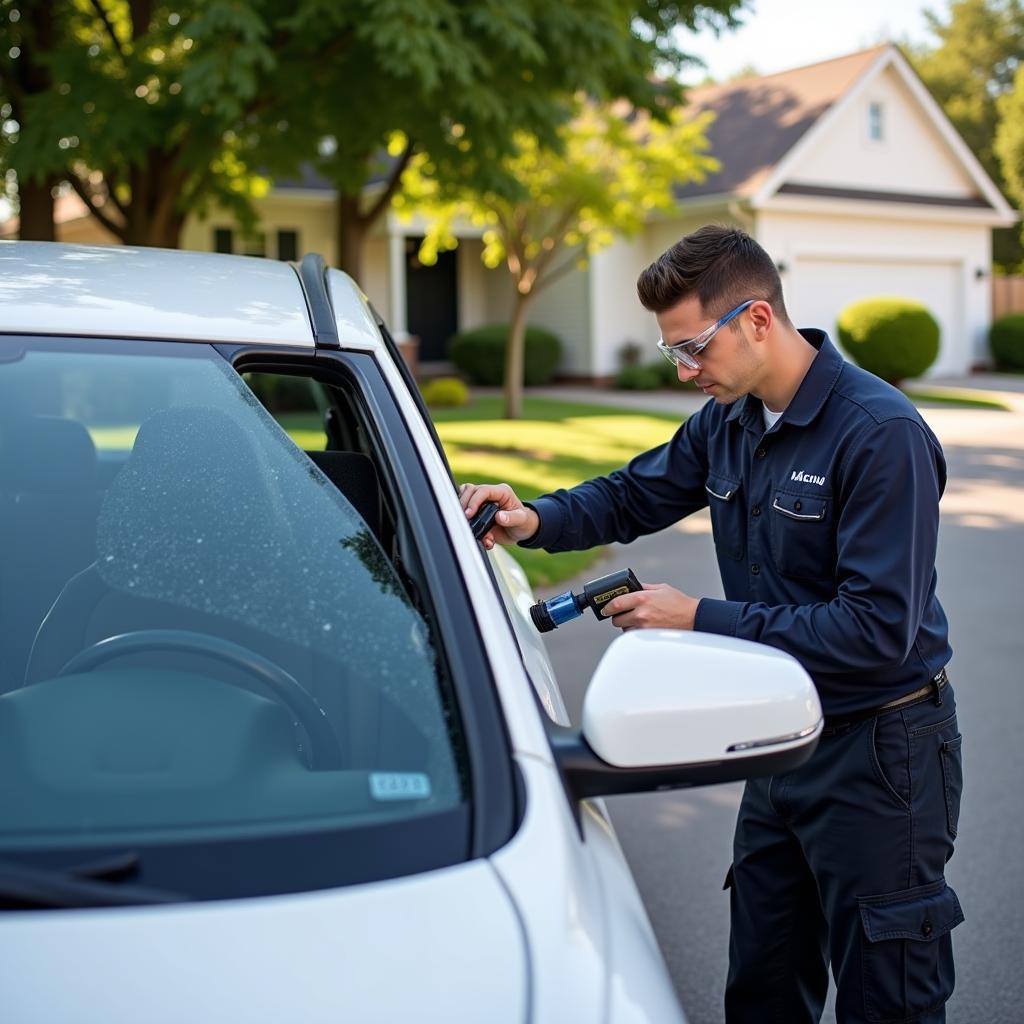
(876, 122)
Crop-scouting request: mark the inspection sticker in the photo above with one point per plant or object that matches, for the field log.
(399, 785)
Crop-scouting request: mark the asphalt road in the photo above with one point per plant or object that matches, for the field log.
(678, 844)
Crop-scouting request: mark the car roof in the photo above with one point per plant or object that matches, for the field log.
(135, 292)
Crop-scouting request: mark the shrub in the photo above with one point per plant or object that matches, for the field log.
(630, 353)
(1006, 340)
(445, 392)
(892, 338)
(666, 373)
(480, 354)
(637, 378)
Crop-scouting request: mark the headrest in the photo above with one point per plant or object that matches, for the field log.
(47, 453)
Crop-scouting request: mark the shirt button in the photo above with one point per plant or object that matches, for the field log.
(755, 568)
(756, 510)
(797, 505)
(926, 928)
(760, 453)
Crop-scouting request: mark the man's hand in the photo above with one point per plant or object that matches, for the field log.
(514, 522)
(657, 606)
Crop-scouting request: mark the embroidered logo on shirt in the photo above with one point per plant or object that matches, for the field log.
(807, 478)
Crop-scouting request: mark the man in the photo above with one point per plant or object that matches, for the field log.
(824, 486)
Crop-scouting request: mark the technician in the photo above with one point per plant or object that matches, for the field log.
(824, 485)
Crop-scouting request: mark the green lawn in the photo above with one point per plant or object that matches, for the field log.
(555, 444)
(962, 397)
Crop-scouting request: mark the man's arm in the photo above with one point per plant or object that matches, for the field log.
(886, 538)
(654, 490)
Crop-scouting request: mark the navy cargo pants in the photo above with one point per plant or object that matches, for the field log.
(843, 860)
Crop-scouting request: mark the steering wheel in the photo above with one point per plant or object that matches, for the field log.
(325, 753)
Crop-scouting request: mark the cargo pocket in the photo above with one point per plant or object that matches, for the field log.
(728, 522)
(953, 780)
(802, 535)
(907, 955)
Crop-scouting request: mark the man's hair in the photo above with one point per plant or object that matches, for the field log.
(723, 266)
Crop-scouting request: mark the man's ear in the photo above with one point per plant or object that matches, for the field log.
(762, 318)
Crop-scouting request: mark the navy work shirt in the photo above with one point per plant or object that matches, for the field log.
(825, 526)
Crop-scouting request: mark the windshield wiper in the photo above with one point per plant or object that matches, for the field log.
(98, 884)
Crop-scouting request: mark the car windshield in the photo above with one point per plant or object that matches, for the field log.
(201, 639)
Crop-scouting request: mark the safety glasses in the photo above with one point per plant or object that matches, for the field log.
(684, 353)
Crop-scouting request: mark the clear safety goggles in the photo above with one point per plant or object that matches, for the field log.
(684, 353)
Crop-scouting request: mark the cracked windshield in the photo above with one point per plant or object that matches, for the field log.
(198, 629)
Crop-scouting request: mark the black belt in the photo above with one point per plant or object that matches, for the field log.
(931, 689)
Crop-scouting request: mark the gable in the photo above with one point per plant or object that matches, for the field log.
(910, 158)
(757, 121)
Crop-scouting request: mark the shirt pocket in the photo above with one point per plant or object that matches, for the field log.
(728, 522)
(803, 535)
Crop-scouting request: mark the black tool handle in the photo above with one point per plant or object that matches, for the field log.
(597, 593)
(484, 519)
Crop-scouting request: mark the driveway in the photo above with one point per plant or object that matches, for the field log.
(679, 843)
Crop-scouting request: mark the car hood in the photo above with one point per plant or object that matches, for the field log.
(442, 946)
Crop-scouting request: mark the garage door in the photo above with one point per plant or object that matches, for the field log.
(819, 288)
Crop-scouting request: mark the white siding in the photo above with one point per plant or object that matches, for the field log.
(618, 316)
(564, 309)
(832, 261)
(911, 157)
(312, 218)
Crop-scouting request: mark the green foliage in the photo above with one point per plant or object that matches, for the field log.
(1006, 340)
(1009, 148)
(893, 338)
(637, 378)
(613, 166)
(161, 108)
(971, 73)
(666, 374)
(445, 392)
(480, 354)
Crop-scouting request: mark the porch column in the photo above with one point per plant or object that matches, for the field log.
(396, 283)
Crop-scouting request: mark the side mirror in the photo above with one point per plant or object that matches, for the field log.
(668, 709)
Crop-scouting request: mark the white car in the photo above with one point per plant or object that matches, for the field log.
(278, 740)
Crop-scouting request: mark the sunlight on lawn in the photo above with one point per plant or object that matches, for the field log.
(542, 454)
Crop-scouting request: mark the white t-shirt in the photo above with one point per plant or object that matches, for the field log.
(770, 418)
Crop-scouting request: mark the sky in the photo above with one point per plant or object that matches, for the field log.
(781, 34)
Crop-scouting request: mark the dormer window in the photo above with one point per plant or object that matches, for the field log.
(876, 122)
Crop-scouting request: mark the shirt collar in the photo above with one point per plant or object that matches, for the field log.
(814, 389)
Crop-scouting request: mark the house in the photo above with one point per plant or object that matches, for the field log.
(847, 172)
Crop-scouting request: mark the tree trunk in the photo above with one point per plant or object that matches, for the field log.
(350, 233)
(514, 356)
(35, 219)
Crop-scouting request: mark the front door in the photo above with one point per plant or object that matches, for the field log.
(431, 301)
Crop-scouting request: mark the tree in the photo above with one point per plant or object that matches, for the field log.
(1009, 142)
(560, 204)
(457, 79)
(979, 49)
(159, 109)
(149, 109)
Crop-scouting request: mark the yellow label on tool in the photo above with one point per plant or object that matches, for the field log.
(602, 598)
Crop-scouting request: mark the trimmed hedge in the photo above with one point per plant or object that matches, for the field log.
(1006, 340)
(890, 337)
(480, 354)
(637, 378)
(445, 392)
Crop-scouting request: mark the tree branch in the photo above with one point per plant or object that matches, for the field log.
(111, 185)
(557, 233)
(101, 13)
(562, 269)
(392, 186)
(118, 230)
